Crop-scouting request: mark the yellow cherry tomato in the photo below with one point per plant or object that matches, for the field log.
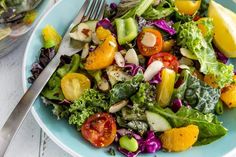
(103, 56)
(73, 85)
(187, 7)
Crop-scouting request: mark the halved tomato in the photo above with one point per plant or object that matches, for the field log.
(99, 129)
(169, 60)
(155, 48)
(73, 85)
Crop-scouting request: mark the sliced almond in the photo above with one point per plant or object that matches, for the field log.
(132, 57)
(118, 106)
(152, 70)
(149, 39)
(120, 61)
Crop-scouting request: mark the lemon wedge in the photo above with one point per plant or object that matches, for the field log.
(224, 28)
(4, 32)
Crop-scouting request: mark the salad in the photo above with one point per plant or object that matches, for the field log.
(15, 13)
(152, 76)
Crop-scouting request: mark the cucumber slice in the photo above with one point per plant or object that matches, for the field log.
(157, 122)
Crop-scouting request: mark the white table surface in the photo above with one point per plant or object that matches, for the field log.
(30, 141)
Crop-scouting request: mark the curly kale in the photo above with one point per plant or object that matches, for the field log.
(89, 103)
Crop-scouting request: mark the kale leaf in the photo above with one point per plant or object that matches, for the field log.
(197, 93)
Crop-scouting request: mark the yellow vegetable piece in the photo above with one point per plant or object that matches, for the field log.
(102, 33)
(166, 87)
(73, 85)
(103, 56)
(179, 139)
(30, 17)
(187, 7)
(228, 95)
(224, 28)
(167, 46)
(50, 35)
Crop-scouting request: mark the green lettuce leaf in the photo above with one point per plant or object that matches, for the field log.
(190, 37)
(210, 127)
(138, 9)
(162, 10)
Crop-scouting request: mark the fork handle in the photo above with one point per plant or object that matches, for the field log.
(18, 115)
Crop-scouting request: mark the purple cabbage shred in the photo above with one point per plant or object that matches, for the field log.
(106, 23)
(156, 79)
(220, 56)
(113, 6)
(164, 25)
(150, 144)
(176, 105)
(133, 69)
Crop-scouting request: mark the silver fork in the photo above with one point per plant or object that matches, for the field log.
(91, 9)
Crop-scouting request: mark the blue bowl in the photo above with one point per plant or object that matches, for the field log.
(66, 136)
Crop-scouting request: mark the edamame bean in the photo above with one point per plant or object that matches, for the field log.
(219, 109)
(128, 143)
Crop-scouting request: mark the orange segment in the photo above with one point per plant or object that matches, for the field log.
(179, 139)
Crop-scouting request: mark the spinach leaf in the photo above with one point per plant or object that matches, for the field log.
(197, 93)
(190, 37)
(210, 128)
(125, 90)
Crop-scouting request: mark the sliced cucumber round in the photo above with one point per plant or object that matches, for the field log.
(156, 122)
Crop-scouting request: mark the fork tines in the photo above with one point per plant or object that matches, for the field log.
(95, 10)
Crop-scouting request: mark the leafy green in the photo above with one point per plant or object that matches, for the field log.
(197, 93)
(52, 90)
(145, 95)
(207, 23)
(88, 104)
(61, 111)
(190, 37)
(210, 128)
(125, 90)
(139, 126)
(71, 67)
(162, 10)
(138, 9)
(131, 114)
(203, 11)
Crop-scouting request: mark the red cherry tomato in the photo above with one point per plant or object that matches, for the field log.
(148, 51)
(99, 129)
(168, 60)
